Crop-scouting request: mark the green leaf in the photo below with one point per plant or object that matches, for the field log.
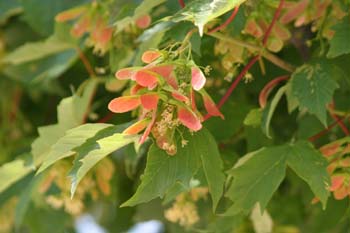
(8, 9)
(310, 165)
(73, 138)
(233, 120)
(313, 86)
(292, 101)
(13, 171)
(163, 172)
(95, 149)
(257, 179)
(203, 11)
(25, 198)
(71, 112)
(253, 118)
(212, 166)
(339, 44)
(36, 50)
(43, 70)
(269, 110)
(257, 175)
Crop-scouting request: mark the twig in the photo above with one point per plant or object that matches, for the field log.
(182, 3)
(325, 131)
(235, 83)
(264, 93)
(237, 80)
(339, 120)
(273, 22)
(106, 118)
(251, 62)
(17, 96)
(86, 62)
(267, 55)
(227, 22)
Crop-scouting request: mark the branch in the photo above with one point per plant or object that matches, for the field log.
(182, 3)
(338, 120)
(86, 62)
(251, 62)
(273, 22)
(325, 131)
(17, 96)
(267, 55)
(264, 93)
(227, 22)
(235, 83)
(106, 118)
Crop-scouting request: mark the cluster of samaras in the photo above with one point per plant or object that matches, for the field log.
(92, 20)
(337, 154)
(163, 93)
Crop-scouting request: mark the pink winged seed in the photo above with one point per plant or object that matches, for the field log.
(137, 127)
(337, 182)
(189, 119)
(210, 106)
(150, 56)
(124, 104)
(125, 73)
(143, 21)
(149, 127)
(198, 78)
(146, 78)
(149, 101)
(166, 72)
(180, 97)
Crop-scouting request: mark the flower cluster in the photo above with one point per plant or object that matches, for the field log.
(338, 155)
(93, 185)
(184, 210)
(164, 93)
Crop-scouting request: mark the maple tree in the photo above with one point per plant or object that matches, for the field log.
(207, 115)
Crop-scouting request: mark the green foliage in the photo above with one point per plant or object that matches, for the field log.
(47, 11)
(258, 174)
(37, 50)
(339, 44)
(203, 11)
(163, 172)
(269, 110)
(13, 171)
(91, 152)
(71, 112)
(313, 86)
(73, 138)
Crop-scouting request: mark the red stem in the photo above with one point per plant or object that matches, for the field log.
(106, 118)
(237, 80)
(235, 83)
(182, 3)
(86, 62)
(339, 121)
(264, 93)
(325, 131)
(251, 62)
(227, 22)
(273, 22)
